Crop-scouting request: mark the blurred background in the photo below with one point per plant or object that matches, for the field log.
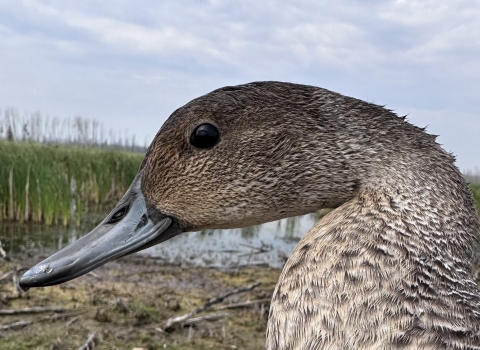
(85, 85)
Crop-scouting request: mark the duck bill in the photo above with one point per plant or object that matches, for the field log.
(129, 228)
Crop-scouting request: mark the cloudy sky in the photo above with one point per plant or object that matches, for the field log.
(130, 64)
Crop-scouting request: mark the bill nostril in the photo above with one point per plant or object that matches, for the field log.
(142, 223)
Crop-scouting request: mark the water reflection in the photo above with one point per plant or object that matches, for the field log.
(268, 244)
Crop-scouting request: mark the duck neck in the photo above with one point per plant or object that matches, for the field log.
(410, 188)
(394, 259)
(430, 215)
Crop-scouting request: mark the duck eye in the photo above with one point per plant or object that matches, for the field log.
(204, 136)
(118, 215)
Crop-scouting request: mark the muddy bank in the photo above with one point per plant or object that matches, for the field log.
(127, 303)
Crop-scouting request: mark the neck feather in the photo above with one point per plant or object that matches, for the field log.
(390, 267)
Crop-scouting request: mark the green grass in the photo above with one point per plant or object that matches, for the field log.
(39, 182)
(475, 188)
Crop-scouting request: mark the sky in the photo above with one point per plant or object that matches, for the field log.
(130, 64)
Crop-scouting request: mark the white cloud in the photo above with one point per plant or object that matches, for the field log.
(424, 13)
(127, 36)
(116, 59)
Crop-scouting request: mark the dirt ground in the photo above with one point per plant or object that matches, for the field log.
(127, 303)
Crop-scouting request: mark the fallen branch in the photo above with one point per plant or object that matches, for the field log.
(178, 319)
(89, 344)
(213, 317)
(15, 325)
(22, 324)
(33, 310)
(243, 305)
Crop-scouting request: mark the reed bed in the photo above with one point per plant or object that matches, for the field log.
(57, 184)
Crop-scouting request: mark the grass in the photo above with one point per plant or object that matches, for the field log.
(56, 184)
(475, 188)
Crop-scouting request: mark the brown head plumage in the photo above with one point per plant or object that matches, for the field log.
(391, 267)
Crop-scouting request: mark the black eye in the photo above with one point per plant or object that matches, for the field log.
(118, 215)
(204, 136)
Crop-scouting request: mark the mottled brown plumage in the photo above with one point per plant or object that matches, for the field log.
(390, 268)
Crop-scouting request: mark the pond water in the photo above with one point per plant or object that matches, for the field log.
(268, 244)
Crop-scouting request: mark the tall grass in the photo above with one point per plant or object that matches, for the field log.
(55, 184)
(473, 177)
(475, 188)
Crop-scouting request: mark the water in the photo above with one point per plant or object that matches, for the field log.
(266, 245)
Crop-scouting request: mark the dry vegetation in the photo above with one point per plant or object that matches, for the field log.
(38, 128)
(128, 302)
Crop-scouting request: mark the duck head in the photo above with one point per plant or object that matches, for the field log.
(236, 157)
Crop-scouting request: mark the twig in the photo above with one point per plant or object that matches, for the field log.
(244, 304)
(23, 269)
(257, 250)
(2, 251)
(56, 317)
(224, 251)
(8, 274)
(94, 275)
(5, 276)
(247, 266)
(119, 302)
(89, 344)
(15, 325)
(213, 317)
(17, 291)
(177, 319)
(22, 324)
(264, 248)
(33, 310)
(72, 321)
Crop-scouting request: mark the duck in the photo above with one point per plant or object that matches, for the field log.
(390, 267)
